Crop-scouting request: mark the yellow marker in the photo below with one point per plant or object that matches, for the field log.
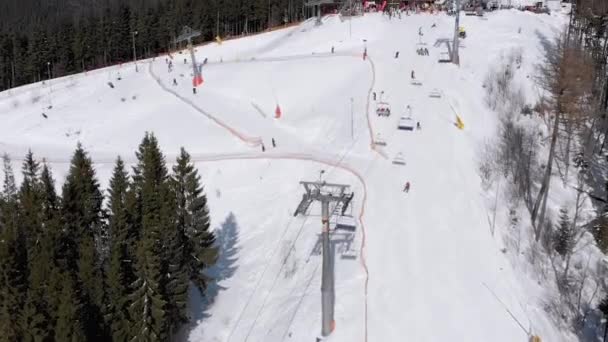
(459, 122)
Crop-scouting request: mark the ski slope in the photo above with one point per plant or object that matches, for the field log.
(421, 266)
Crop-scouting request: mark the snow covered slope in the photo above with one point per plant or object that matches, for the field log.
(421, 266)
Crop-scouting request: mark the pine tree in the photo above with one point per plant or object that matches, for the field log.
(83, 227)
(13, 260)
(51, 221)
(120, 272)
(564, 237)
(30, 198)
(149, 299)
(36, 313)
(193, 220)
(69, 326)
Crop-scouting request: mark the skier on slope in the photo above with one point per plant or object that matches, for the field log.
(406, 188)
(413, 75)
(274, 144)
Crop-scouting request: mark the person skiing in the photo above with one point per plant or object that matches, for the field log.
(332, 49)
(413, 75)
(434, 25)
(174, 82)
(263, 148)
(397, 54)
(273, 143)
(418, 125)
(406, 188)
(374, 96)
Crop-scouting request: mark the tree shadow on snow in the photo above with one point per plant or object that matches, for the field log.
(226, 240)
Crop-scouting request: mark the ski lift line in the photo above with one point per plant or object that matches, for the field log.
(367, 110)
(359, 176)
(528, 332)
(297, 308)
(255, 289)
(274, 282)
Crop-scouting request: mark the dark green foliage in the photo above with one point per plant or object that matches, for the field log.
(148, 310)
(74, 36)
(69, 325)
(193, 220)
(564, 235)
(13, 260)
(120, 271)
(82, 228)
(71, 272)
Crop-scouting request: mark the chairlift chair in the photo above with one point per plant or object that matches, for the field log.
(399, 159)
(406, 123)
(435, 93)
(383, 109)
(379, 141)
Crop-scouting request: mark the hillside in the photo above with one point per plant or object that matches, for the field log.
(420, 266)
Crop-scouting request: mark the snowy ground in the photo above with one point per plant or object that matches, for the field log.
(421, 266)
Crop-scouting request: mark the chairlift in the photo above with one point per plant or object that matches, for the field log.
(379, 141)
(445, 57)
(399, 159)
(383, 109)
(406, 123)
(435, 93)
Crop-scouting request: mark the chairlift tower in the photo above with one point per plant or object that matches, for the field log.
(187, 35)
(326, 193)
(455, 56)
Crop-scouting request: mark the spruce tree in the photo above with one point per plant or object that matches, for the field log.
(193, 220)
(13, 260)
(120, 272)
(82, 221)
(35, 314)
(69, 326)
(564, 236)
(149, 299)
(51, 221)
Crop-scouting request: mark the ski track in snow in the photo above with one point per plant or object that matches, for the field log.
(354, 159)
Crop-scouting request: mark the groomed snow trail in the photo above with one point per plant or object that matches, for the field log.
(425, 258)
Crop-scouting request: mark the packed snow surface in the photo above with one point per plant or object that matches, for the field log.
(420, 266)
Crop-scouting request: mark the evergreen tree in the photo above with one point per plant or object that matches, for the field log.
(193, 220)
(39, 245)
(30, 198)
(51, 221)
(69, 325)
(120, 272)
(83, 227)
(564, 237)
(13, 260)
(149, 299)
